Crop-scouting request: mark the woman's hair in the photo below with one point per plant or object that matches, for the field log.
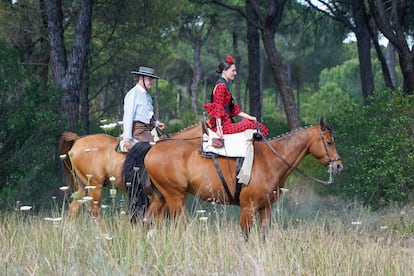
(224, 65)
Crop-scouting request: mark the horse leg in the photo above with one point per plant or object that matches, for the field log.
(265, 215)
(246, 220)
(75, 205)
(95, 204)
(175, 205)
(156, 210)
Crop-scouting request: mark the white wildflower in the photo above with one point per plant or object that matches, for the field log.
(53, 219)
(112, 192)
(25, 208)
(85, 199)
(107, 237)
(108, 126)
(151, 233)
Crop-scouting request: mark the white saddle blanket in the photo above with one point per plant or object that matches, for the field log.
(235, 145)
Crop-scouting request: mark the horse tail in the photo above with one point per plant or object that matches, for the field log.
(137, 180)
(66, 141)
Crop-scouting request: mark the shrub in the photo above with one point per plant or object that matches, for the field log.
(376, 143)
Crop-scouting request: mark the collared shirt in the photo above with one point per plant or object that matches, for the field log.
(137, 107)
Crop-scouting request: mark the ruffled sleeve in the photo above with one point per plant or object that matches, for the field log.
(214, 110)
(236, 110)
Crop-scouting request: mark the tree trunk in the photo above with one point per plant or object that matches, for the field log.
(364, 48)
(253, 80)
(195, 82)
(389, 19)
(407, 68)
(386, 73)
(390, 58)
(281, 78)
(69, 75)
(84, 103)
(237, 58)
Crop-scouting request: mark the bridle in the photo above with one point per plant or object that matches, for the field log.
(330, 161)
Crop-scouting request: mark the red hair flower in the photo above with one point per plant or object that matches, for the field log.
(229, 59)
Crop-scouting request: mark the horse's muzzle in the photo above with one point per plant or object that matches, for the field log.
(335, 166)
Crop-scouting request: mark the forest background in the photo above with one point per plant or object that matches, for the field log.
(66, 66)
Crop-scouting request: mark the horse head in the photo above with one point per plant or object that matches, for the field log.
(323, 148)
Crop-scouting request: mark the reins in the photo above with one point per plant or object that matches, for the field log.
(330, 161)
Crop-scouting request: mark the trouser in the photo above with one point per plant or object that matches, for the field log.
(142, 131)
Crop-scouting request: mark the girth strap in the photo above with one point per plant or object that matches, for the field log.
(239, 162)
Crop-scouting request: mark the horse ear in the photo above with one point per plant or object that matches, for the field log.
(321, 123)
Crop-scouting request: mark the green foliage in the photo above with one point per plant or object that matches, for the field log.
(28, 127)
(327, 102)
(376, 144)
(346, 76)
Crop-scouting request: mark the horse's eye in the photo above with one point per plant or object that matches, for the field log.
(330, 142)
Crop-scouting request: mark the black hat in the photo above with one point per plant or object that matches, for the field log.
(146, 71)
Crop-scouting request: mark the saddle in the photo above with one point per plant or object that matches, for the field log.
(238, 145)
(120, 147)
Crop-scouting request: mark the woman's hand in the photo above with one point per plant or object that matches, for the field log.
(247, 116)
(252, 118)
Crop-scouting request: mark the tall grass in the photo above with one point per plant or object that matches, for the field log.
(303, 239)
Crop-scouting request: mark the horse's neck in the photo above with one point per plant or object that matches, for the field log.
(190, 132)
(294, 146)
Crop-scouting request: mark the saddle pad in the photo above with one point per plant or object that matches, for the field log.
(235, 145)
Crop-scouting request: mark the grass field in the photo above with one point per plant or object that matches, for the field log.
(308, 236)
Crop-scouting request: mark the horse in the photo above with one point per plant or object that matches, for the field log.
(91, 161)
(176, 168)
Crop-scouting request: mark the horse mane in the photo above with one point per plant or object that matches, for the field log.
(290, 133)
(328, 127)
(187, 128)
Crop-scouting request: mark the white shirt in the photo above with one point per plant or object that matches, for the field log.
(137, 107)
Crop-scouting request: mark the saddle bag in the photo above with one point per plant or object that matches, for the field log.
(217, 142)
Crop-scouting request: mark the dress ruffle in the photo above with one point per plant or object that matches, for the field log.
(214, 110)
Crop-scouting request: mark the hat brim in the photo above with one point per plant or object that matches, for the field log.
(145, 74)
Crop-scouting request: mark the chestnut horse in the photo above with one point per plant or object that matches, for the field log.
(176, 167)
(92, 161)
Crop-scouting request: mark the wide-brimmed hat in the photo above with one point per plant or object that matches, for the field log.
(145, 71)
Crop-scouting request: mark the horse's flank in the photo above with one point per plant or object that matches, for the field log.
(91, 160)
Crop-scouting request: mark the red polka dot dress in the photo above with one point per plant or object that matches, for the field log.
(222, 107)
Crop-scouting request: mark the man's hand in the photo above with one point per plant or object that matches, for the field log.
(128, 144)
(161, 126)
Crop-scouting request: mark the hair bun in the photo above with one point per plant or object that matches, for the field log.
(229, 59)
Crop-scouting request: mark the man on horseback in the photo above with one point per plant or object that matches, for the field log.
(138, 119)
